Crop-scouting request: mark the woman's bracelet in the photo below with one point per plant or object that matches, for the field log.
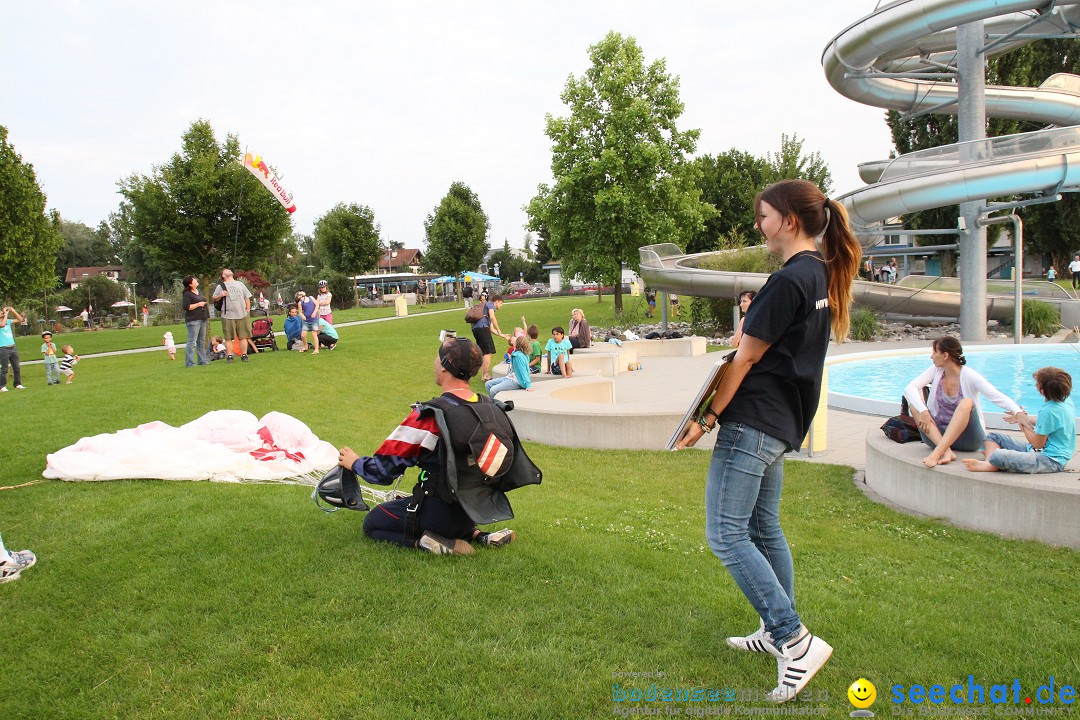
(705, 427)
(710, 411)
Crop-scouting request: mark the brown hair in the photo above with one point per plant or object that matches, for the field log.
(1054, 383)
(534, 332)
(817, 215)
(951, 347)
(522, 344)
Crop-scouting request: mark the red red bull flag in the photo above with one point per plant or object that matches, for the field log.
(266, 176)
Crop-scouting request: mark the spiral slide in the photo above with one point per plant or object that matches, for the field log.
(863, 63)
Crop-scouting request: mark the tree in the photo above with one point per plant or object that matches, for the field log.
(184, 214)
(729, 181)
(347, 236)
(30, 238)
(789, 163)
(140, 265)
(456, 233)
(622, 179)
(84, 247)
(513, 267)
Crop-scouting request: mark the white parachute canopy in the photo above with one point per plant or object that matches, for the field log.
(221, 446)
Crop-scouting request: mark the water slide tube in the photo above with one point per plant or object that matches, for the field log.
(918, 36)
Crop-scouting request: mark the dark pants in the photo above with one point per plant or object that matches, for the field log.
(1076, 280)
(386, 522)
(326, 341)
(10, 354)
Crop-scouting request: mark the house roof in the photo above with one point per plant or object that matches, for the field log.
(405, 257)
(80, 274)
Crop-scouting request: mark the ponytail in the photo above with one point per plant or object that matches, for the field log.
(843, 255)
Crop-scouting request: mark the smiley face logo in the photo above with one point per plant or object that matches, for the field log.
(862, 693)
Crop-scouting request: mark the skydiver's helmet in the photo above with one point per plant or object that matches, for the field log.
(339, 489)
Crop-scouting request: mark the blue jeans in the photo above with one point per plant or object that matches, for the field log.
(196, 339)
(9, 355)
(1015, 457)
(497, 385)
(742, 522)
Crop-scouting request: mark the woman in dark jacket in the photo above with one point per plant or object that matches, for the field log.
(579, 334)
(197, 319)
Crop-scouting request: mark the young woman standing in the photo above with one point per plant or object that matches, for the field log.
(763, 408)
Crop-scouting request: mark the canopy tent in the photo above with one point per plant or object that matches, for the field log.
(62, 308)
(123, 303)
(161, 300)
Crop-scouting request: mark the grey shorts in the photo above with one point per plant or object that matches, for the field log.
(235, 327)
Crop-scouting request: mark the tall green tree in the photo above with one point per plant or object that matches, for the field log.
(185, 212)
(456, 233)
(84, 247)
(731, 180)
(347, 236)
(622, 178)
(29, 238)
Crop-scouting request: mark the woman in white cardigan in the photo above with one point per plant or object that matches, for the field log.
(950, 418)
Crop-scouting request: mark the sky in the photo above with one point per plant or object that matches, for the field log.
(386, 104)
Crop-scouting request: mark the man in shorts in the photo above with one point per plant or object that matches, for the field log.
(235, 314)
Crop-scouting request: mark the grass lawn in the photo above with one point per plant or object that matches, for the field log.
(198, 600)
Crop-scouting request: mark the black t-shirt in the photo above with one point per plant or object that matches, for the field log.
(199, 313)
(779, 395)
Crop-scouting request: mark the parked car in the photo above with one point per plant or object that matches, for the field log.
(538, 289)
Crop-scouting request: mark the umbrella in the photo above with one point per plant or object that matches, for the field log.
(161, 300)
(123, 303)
(62, 308)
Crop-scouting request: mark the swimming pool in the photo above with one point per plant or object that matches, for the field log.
(874, 382)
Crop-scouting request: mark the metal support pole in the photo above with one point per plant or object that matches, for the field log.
(971, 81)
(1018, 280)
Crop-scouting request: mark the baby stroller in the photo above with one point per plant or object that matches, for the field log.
(262, 333)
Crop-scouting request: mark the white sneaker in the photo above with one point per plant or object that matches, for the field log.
(796, 663)
(23, 558)
(498, 538)
(439, 545)
(754, 642)
(9, 571)
(4, 389)
(20, 387)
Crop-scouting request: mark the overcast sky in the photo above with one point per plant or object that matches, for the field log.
(386, 104)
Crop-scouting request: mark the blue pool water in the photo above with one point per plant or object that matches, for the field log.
(1008, 368)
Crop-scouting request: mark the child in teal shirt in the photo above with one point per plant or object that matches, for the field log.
(1051, 439)
(52, 363)
(558, 352)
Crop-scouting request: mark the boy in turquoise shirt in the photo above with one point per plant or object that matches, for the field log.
(1051, 439)
(52, 363)
(558, 352)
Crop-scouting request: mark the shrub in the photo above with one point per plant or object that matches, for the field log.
(1040, 318)
(864, 325)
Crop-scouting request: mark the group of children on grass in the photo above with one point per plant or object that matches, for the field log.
(56, 366)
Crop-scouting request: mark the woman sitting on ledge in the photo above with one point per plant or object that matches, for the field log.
(950, 418)
(579, 334)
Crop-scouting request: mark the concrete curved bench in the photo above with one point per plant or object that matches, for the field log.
(1032, 507)
(585, 411)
